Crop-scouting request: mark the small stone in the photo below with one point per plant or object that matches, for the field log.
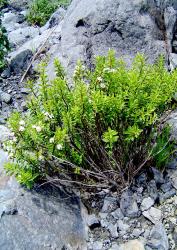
(158, 238)
(137, 232)
(174, 180)
(24, 106)
(122, 226)
(115, 247)
(93, 222)
(166, 187)
(110, 204)
(133, 245)
(152, 190)
(147, 203)
(117, 214)
(141, 180)
(113, 231)
(5, 97)
(25, 91)
(158, 176)
(167, 195)
(97, 245)
(128, 205)
(153, 214)
(6, 73)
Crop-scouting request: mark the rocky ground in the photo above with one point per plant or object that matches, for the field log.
(143, 216)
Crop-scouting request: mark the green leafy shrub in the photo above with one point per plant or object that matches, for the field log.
(99, 132)
(3, 3)
(41, 10)
(4, 46)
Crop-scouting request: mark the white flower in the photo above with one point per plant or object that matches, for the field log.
(99, 79)
(109, 70)
(52, 140)
(12, 134)
(22, 122)
(21, 128)
(48, 115)
(41, 157)
(14, 139)
(11, 155)
(38, 128)
(59, 146)
(102, 85)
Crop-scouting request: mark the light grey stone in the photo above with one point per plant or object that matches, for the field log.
(137, 232)
(5, 97)
(93, 222)
(153, 214)
(147, 203)
(20, 36)
(158, 238)
(110, 204)
(158, 176)
(21, 61)
(117, 214)
(113, 231)
(128, 205)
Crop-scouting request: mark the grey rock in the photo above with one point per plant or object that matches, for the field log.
(174, 182)
(128, 205)
(158, 176)
(9, 21)
(174, 45)
(133, 245)
(5, 97)
(170, 22)
(4, 133)
(173, 61)
(25, 91)
(110, 204)
(152, 190)
(20, 18)
(39, 218)
(137, 232)
(153, 214)
(24, 106)
(167, 195)
(21, 35)
(141, 179)
(19, 4)
(98, 245)
(158, 238)
(93, 222)
(57, 17)
(147, 203)
(20, 62)
(122, 227)
(92, 27)
(6, 73)
(117, 214)
(115, 247)
(113, 231)
(3, 159)
(166, 187)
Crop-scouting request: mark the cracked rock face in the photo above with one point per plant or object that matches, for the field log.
(91, 27)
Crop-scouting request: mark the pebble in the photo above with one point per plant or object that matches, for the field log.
(147, 203)
(93, 222)
(153, 214)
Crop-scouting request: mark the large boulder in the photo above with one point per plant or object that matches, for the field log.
(91, 27)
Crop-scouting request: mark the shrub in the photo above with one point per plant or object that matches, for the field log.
(3, 3)
(41, 10)
(4, 46)
(97, 133)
